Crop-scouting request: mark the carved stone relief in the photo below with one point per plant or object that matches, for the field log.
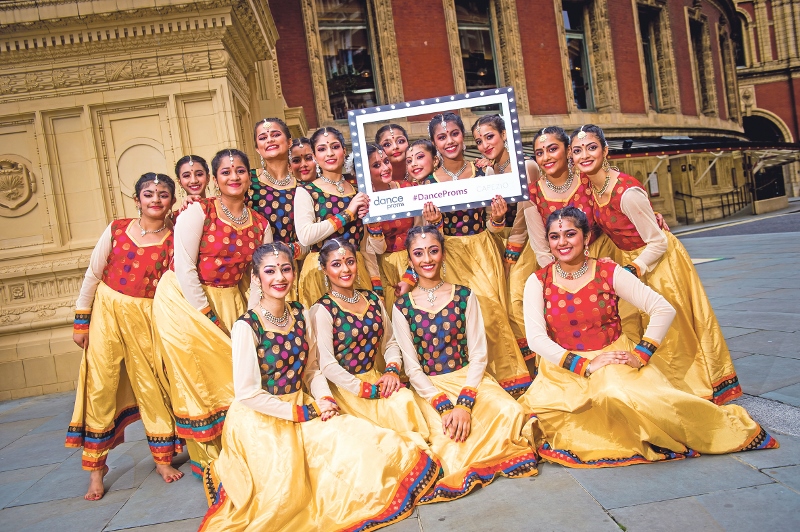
(17, 188)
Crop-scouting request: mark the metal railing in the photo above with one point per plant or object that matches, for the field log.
(681, 196)
(735, 200)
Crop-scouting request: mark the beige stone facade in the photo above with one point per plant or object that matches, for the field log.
(92, 95)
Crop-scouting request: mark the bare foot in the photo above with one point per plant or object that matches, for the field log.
(168, 473)
(96, 488)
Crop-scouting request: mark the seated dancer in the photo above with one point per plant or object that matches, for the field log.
(196, 305)
(330, 206)
(597, 402)
(694, 355)
(474, 258)
(354, 341)
(117, 383)
(288, 462)
(440, 330)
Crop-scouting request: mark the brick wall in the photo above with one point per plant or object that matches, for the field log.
(293, 59)
(423, 49)
(542, 57)
(624, 41)
(776, 97)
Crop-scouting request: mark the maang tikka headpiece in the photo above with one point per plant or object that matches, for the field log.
(341, 250)
(191, 161)
(542, 137)
(560, 219)
(274, 250)
(444, 124)
(581, 134)
(230, 156)
(267, 124)
(155, 180)
(325, 134)
(391, 132)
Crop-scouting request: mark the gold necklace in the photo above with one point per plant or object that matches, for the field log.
(144, 232)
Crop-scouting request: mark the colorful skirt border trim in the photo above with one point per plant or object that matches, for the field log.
(569, 459)
(522, 465)
(726, 389)
(202, 429)
(96, 444)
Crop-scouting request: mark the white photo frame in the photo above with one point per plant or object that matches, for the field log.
(450, 195)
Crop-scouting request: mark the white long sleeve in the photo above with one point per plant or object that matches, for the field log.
(188, 232)
(94, 273)
(476, 344)
(627, 287)
(309, 230)
(635, 204)
(333, 371)
(247, 376)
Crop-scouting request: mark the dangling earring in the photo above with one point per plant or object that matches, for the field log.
(139, 208)
(586, 252)
(260, 292)
(570, 167)
(218, 193)
(327, 285)
(414, 275)
(358, 279)
(262, 160)
(444, 269)
(606, 165)
(319, 170)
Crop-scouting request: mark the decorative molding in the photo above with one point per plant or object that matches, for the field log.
(702, 74)
(666, 73)
(17, 188)
(319, 83)
(78, 261)
(454, 43)
(510, 51)
(729, 73)
(762, 27)
(747, 99)
(606, 93)
(388, 57)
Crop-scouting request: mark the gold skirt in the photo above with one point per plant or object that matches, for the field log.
(524, 268)
(117, 383)
(493, 448)
(398, 412)
(340, 474)
(311, 284)
(474, 261)
(694, 355)
(197, 360)
(392, 267)
(620, 416)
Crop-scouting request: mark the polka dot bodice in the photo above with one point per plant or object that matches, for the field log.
(356, 339)
(276, 205)
(466, 222)
(586, 320)
(582, 198)
(326, 205)
(133, 270)
(281, 355)
(226, 251)
(614, 222)
(440, 338)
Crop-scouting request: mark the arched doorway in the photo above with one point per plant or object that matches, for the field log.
(769, 182)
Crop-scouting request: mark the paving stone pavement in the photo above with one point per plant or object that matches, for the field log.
(755, 291)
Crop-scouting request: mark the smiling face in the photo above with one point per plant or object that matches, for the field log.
(567, 241)
(550, 155)
(275, 274)
(271, 141)
(380, 169)
(490, 142)
(588, 154)
(302, 163)
(233, 180)
(155, 201)
(394, 145)
(342, 268)
(193, 179)
(329, 154)
(450, 141)
(419, 162)
(426, 255)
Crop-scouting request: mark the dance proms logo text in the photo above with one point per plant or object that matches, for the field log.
(438, 195)
(390, 202)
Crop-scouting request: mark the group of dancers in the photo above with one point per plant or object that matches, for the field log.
(328, 374)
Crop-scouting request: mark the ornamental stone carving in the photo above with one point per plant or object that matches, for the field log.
(17, 188)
